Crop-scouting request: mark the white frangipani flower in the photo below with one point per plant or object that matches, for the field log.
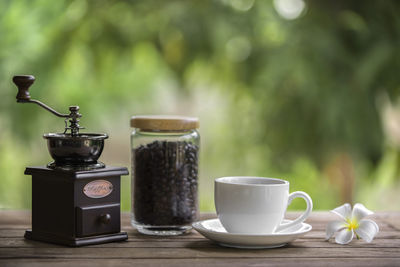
(352, 222)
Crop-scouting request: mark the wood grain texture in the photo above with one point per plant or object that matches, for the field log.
(194, 243)
(326, 262)
(194, 250)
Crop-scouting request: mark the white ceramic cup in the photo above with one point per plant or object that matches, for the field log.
(255, 205)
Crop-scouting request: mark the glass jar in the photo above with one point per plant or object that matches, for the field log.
(165, 154)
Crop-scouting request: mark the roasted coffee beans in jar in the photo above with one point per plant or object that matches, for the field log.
(165, 152)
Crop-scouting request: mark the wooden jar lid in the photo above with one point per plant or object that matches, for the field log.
(164, 123)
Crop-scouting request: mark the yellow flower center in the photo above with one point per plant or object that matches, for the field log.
(353, 224)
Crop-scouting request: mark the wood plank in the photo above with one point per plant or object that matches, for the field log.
(195, 243)
(393, 219)
(15, 217)
(316, 226)
(380, 235)
(187, 253)
(279, 262)
(11, 218)
(134, 235)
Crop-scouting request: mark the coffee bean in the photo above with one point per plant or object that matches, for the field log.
(165, 183)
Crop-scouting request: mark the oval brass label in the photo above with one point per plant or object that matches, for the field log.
(98, 189)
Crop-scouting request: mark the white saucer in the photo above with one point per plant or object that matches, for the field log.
(213, 230)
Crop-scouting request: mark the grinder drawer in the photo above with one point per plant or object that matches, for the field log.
(97, 220)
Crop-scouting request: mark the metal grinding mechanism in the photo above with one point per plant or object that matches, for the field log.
(72, 150)
(75, 198)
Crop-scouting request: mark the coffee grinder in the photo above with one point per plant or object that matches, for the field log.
(75, 198)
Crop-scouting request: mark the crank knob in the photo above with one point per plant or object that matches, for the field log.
(23, 82)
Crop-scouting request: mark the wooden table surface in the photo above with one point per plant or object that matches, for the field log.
(195, 250)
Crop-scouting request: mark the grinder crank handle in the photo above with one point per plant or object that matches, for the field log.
(23, 82)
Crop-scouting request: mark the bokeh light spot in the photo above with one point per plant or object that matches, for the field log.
(289, 9)
(238, 48)
(242, 5)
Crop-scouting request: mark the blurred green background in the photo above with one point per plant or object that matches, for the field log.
(303, 90)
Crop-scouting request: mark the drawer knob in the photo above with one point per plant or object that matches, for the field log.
(105, 218)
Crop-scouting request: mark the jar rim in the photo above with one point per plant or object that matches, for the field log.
(164, 122)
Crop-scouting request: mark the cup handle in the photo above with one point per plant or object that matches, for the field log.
(301, 218)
